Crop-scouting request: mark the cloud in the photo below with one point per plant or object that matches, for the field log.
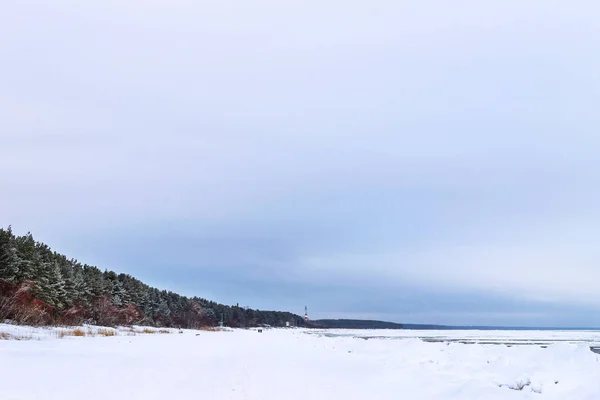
(555, 265)
(446, 147)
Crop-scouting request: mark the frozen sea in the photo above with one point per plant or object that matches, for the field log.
(474, 336)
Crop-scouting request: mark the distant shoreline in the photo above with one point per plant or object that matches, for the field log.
(375, 324)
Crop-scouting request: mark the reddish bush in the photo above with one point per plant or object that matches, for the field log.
(104, 312)
(18, 304)
(130, 315)
(73, 316)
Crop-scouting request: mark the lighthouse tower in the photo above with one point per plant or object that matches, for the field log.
(306, 313)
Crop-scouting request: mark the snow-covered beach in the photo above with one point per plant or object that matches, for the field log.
(296, 364)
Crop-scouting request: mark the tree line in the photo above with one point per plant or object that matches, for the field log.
(40, 286)
(355, 324)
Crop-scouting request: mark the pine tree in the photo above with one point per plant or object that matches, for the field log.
(82, 294)
(63, 283)
(9, 259)
(26, 256)
(67, 271)
(118, 294)
(56, 291)
(42, 270)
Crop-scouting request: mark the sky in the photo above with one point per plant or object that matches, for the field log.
(413, 161)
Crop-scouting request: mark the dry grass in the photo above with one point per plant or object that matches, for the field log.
(131, 332)
(149, 331)
(107, 332)
(82, 332)
(71, 332)
(8, 336)
(154, 331)
(63, 334)
(78, 332)
(209, 329)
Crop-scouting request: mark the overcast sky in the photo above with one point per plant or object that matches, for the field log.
(414, 161)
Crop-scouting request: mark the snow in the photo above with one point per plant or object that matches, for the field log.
(297, 364)
(476, 336)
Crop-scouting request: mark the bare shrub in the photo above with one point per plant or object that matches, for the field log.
(7, 305)
(18, 304)
(104, 312)
(129, 315)
(73, 316)
(519, 385)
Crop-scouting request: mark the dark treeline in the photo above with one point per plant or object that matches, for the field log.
(40, 286)
(355, 324)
